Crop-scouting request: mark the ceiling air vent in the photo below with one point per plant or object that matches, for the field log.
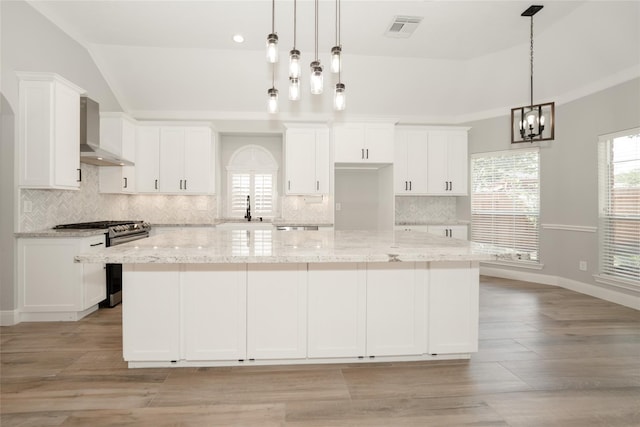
(403, 26)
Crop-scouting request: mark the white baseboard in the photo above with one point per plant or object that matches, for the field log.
(631, 299)
(9, 317)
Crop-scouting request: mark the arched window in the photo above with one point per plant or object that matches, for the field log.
(252, 172)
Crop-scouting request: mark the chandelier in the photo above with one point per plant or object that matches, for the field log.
(533, 122)
(316, 78)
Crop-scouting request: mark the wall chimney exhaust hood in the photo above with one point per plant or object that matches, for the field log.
(90, 151)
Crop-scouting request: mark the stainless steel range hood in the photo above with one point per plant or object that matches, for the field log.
(90, 151)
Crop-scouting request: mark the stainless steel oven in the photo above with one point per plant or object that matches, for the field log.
(116, 233)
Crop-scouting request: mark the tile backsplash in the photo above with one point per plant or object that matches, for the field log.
(52, 207)
(425, 209)
(313, 209)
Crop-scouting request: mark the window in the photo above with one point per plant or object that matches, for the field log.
(505, 201)
(251, 172)
(619, 203)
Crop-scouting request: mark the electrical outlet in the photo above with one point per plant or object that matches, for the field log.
(338, 206)
(27, 207)
(582, 265)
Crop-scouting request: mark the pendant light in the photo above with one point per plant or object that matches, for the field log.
(272, 39)
(272, 94)
(528, 123)
(336, 51)
(294, 61)
(316, 68)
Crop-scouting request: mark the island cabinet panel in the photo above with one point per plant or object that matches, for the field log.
(151, 312)
(214, 307)
(396, 308)
(337, 310)
(276, 311)
(453, 307)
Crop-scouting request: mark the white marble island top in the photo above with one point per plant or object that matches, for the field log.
(270, 246)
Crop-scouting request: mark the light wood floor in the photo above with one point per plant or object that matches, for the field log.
(548, 357)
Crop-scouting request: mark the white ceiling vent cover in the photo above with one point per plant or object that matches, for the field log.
(403, 26)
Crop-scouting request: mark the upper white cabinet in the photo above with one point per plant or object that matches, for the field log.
(175, 159)
(410, 162)
(363, 142)
(431, 161)
(447, 162)
(307, 160)
(118, 136)
(49, 132)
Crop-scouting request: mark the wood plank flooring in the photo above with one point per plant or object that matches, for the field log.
(548, 357)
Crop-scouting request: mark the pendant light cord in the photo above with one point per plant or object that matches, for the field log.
(273, 16)
(295, 15)
(316, 25)
(531, 105)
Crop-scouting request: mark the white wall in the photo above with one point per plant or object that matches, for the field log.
(568, 174)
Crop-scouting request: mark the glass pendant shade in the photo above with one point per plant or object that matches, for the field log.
(316, 78)
(336, 59)
(294, 89)
(294, 64)
(272, 48)
(339, 97)
(272, 103)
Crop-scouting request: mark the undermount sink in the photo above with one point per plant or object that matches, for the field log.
(245, 225)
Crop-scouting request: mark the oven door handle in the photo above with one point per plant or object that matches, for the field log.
(124, 239)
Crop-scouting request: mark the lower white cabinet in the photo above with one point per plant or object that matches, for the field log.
(453, 307)
(151, 312)
(215, 311)
(51, 286)
(276, 311)
(396, 309)
(455, 231)
(337, 310)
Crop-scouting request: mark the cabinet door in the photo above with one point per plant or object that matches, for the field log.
(378, 142)
(458, 163)
(214, 303)
(147, 167)
(300, 153)
(198, 161)
(171, 159)
(400, 167)
(66, 161)
(150, 312)
(348, 143)
(277, 315)
(337, 310)
(417, 161)
(93, 275)
(396, 309)
(453, 307)
(323, 161)
(437, 161)
(128, 140)
(114, 179)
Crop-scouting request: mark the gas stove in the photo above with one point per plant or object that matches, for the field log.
(116, 231)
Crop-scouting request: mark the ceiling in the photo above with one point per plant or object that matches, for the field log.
(466, 59)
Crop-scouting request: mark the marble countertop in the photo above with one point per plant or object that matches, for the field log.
(50, 232)
(271, 246)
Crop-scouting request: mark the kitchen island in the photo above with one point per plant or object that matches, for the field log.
(236, 297)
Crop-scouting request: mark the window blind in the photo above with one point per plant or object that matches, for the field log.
(619, 200)
(505, 201)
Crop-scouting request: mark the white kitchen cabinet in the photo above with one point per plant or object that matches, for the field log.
(307, 160)
(118, 136)
(214, 303)
(49, 132)
(147, 166)
(363, 142)
(455, 231)
(186, 160)
(410, 162)
(51, 285)
(447, 162)
(337, 310)
(453, 307)
(151, 312)
(396, 323)
(276, 311)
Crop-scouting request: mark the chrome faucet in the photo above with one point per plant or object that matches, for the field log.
(248, 215)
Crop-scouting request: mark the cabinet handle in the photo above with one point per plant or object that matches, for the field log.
(318, 185)
(406, 185)
(410, 186)
(96, 244)
(367, 154)
(185, 184)
(156, 185)
(79, 175)
(125, 182)
(446, 186)
(450, 185)
(289, 185)
(362, 154)
(181, 184)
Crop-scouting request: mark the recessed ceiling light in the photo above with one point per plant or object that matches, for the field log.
(238, 38)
